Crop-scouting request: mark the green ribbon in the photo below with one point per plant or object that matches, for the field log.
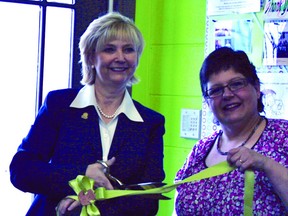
(249, 192)
(84, 184)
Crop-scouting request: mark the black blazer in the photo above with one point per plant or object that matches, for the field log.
(63, 141)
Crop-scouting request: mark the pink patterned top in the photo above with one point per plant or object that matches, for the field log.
(223, 194)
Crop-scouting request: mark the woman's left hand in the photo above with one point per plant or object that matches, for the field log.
(66, 204)
(245, 158)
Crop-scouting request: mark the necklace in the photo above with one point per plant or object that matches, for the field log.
(105, 115)
(250, 135)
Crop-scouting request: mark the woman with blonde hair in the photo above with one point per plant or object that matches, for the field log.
(82, 132)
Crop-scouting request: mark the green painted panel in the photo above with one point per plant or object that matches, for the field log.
(174, 33)
(175, 69)
(177, 22)
(171, 107)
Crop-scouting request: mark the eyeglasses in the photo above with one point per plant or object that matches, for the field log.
(233, 86)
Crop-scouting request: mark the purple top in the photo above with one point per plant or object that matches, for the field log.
(224, 194)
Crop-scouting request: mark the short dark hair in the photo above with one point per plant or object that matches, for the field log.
(226, 58)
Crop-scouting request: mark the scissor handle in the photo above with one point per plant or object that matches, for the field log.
(106, 169)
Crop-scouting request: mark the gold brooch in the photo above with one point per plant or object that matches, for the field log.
(84, 115)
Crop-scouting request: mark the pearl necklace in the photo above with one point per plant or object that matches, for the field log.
(105, 115)
(250, 135)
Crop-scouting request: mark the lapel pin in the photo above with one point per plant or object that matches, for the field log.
(84, 115)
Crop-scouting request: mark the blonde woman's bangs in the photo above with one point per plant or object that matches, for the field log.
(121, 31)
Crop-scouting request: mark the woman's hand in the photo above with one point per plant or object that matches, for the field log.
(95, 171)
(277, 174)
(66, 204)
(245, 158)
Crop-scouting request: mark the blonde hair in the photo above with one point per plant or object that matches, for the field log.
(109, 27)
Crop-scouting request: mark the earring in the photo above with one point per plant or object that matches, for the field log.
(215, 121)
(92, 66)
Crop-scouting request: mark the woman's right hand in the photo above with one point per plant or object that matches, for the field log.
(95, 171)
(66, 205)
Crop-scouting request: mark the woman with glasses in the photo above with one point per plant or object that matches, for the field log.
(247, 140)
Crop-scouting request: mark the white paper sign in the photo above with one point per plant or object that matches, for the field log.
(221, 7)
(275, 99)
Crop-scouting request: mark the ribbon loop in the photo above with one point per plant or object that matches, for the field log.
(83, 187)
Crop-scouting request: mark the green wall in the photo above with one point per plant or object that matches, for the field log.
(174, 33)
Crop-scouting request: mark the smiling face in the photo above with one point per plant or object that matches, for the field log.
(115, 63)
(236, 106)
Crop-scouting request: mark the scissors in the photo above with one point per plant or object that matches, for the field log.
(140, 186)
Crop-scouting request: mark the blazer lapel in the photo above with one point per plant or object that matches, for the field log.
(122, 133)
(90, 120)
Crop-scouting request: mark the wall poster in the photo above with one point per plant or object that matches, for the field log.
(236, 34)
(263, 36)
(275, 97)
(275, 43)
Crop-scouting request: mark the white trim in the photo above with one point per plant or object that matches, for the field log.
(110, 6)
